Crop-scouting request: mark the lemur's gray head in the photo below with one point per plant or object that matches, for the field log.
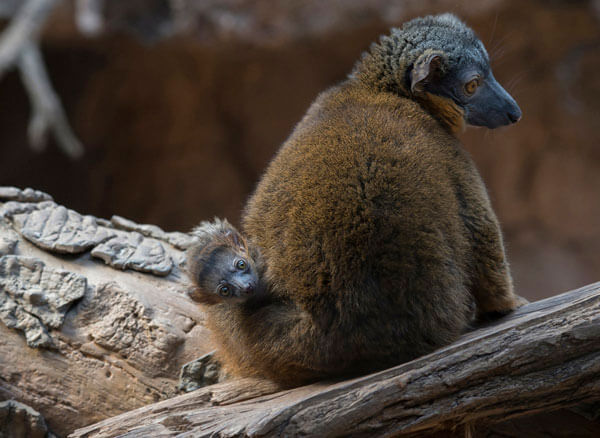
(441, 56)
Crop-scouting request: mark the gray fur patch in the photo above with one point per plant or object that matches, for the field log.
(387, 64)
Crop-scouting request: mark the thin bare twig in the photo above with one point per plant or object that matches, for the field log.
(48, 113)
(19, 48)
(88, 16)
(23, 28)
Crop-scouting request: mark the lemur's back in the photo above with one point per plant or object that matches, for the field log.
(358, 210)
(378, 237)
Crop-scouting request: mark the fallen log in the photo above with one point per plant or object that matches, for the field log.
(541, 358)
(94, 318)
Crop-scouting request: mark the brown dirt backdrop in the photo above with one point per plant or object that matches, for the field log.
(180, 130)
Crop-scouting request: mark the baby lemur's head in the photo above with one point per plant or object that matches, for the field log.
(221, 265)
(439, 62)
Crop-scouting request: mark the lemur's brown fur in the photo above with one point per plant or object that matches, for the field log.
(378, 237)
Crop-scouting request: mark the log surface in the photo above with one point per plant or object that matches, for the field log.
(541, 358)
(94, 316)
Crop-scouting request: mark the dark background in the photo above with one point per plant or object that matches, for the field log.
(180, 111)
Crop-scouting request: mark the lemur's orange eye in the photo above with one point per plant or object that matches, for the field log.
(471, 86)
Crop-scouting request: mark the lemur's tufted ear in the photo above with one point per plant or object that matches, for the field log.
(235, 237)
(230, 232)
(427, 68)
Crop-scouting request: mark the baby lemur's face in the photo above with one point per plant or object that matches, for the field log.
(227, 274)
(221, 264)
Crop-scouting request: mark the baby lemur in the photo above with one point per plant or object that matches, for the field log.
(376, 231)
(223, 266)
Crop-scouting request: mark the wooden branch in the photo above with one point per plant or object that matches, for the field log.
(543, 357)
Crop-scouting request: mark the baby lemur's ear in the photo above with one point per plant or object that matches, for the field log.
(230, 231)
(235, 237)
(206, 232)
(429, 67)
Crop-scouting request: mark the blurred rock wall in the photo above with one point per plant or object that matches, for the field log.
(181, 104)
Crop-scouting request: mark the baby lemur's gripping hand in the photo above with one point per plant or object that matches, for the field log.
(221, 265)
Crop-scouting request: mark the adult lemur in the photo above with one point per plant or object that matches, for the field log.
(376, 231)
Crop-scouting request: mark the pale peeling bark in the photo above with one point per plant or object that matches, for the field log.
(81, 340)
(543, 357)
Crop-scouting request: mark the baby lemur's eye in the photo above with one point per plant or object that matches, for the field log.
(471, 86)
(223, 290)
(241, 264)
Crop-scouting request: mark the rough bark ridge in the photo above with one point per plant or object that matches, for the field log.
(19, 420)
(81, 341)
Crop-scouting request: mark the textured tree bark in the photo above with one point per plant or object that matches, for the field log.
(541, 358)
(81, 341)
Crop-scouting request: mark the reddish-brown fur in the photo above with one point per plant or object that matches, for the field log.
(379, 241)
